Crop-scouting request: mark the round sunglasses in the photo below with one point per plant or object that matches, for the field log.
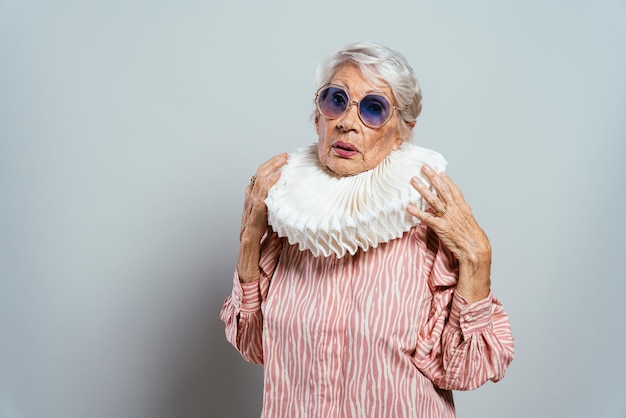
(374, 110)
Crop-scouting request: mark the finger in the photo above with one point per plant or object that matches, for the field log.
(272, 164)
(440, 182)
(427, 218)
(437, 205)
(256, 192)
(455, 191)
(268, 170)
(422, 187)
(449, 193)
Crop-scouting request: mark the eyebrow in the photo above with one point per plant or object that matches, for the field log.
(342, 85)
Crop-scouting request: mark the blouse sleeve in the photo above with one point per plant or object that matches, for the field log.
(461, 345)
(241, 311)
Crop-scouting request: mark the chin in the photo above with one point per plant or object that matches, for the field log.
(343, 170)
(342, 167)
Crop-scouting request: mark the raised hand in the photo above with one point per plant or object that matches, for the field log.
(254, 217)
(451, 218)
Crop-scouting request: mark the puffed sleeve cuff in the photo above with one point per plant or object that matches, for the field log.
(246, 296)
(471, 318)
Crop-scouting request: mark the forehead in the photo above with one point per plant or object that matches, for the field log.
(351, 77)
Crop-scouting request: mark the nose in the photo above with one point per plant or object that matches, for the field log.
(349, 120)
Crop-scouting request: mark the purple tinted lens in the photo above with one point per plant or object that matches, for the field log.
(374, 110)
(332, 102)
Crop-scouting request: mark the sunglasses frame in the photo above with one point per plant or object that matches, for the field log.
(351, 102)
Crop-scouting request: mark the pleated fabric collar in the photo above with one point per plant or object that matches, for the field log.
(333, 215)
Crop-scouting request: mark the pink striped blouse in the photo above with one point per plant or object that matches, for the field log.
(378, 334)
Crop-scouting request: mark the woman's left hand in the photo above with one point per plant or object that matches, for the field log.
(451, 218)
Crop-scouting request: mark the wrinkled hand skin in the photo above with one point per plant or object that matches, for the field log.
(458, 230)
(254, 218)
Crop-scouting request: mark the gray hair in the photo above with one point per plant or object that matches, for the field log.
(379, 63)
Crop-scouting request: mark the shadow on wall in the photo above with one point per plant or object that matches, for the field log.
(209, 377)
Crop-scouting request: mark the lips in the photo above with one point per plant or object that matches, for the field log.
(344, 149)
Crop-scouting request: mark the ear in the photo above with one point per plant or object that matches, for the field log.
(317, 124)
(401, 139)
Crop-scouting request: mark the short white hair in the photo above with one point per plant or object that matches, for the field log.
(379, 63)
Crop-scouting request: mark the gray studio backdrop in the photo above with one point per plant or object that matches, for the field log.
(129, 130)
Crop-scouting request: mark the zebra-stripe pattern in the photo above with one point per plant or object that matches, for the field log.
(378, 334)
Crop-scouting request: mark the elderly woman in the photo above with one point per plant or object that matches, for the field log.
(363, 279)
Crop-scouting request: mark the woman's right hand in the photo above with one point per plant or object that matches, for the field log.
(254, 217)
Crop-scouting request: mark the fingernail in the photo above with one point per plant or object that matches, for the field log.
(427, 168)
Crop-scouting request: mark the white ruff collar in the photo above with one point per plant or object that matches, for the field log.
(328, 214)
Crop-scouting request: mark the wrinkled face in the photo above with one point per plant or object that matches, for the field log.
(345, 145)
